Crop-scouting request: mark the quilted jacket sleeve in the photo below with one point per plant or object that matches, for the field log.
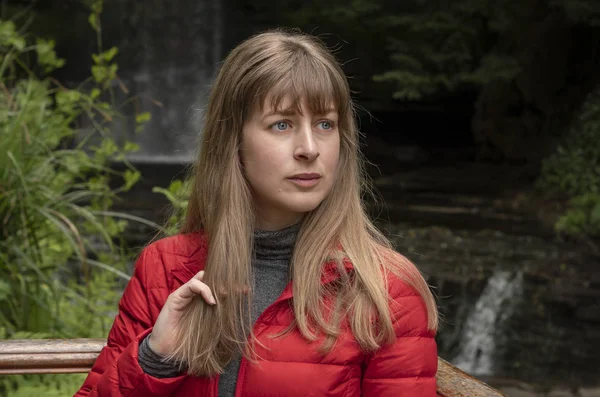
(406, 368)
(116, 371)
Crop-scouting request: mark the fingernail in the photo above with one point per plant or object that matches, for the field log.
(212, 301)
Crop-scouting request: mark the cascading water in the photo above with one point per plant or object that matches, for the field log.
(172, 50)
(496, 303)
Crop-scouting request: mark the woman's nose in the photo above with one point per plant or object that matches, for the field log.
(306, 148)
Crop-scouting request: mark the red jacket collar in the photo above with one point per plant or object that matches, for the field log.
(196, 262)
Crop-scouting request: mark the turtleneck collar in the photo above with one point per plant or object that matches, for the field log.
(277, 244)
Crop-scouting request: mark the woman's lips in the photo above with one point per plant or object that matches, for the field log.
(305, 180)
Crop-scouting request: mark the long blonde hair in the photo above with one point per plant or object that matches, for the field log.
(276, 65)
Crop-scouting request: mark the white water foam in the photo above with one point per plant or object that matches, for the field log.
(496, 303)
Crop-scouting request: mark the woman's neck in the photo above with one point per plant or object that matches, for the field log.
(273, 220)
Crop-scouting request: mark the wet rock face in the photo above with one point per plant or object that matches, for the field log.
(168, 52)
(540, 329)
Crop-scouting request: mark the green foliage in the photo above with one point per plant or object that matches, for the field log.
(44, 385)
(583, 216)
(433, 47)
(437, 49)
(178, 194)
(574, 172)
(61, 270)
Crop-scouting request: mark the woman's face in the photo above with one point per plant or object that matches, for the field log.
(290, 161)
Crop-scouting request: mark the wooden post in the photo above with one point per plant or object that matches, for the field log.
(60, 356)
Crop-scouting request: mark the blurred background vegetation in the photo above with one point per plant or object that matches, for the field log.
(506, 85)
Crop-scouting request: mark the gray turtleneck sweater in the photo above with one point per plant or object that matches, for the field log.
(270, 265)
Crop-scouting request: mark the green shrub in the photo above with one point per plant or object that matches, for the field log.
(178, 194)
(573, 172)
(62, 266)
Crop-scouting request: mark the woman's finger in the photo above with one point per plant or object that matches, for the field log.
(199, 288)
(192, 288)
(199, 275)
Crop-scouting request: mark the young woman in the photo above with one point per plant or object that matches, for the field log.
(279, 284)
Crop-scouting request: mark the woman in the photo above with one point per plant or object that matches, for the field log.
(276, 197)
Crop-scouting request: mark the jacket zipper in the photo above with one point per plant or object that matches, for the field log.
(259, 328)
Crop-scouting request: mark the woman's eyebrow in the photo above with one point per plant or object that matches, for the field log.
(285, 112)
(292, 112)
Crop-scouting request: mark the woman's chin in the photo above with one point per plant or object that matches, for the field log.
(303, 206)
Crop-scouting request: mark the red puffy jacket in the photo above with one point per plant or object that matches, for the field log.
(290, 367)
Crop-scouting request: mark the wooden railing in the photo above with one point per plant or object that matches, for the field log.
(56, 356)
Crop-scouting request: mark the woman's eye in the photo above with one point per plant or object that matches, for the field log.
(281, 125)
(326, 125)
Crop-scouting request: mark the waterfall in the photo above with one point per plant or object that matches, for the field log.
(496, 303)
(170, 51)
